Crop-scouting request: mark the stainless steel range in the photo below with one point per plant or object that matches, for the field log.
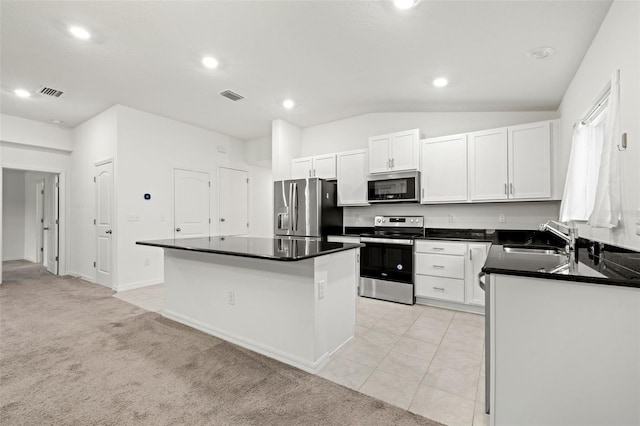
(386, 261)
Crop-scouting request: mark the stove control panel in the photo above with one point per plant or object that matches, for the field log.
(399, 221)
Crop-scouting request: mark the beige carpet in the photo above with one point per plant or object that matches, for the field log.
(72, 354)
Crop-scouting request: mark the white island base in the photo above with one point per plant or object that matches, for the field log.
(298, 312)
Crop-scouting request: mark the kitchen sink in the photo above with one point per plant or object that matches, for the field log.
(532, 250)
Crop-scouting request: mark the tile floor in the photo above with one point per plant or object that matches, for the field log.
(150, 298)
(427, 360)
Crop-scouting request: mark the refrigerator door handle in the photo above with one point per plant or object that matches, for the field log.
(294, 206)
(290, 207)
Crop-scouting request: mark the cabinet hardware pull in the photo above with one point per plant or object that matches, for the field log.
(438, 266)
(505, 189)
(470, 254)
(511, 188)
(438, 248)
(393, 163)
(439, 288)
(422, 192)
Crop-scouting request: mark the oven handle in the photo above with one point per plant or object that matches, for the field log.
(386, 241)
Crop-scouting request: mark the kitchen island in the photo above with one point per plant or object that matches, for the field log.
(292, 299)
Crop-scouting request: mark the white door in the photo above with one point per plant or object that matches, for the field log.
(379, 159)
(191, 203)
(234, 201)
(301, 168)
(41, 234)
(104, 224)
(488, 165)
(404, 150)
(324, 166)
(530, 161)
(477, 255)
(352, 178)
(51, 223)
(443, 166)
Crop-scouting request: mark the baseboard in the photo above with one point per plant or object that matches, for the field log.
(139, 284)
(82, 276)
(450, 305)
(11, 259)
(309, 367)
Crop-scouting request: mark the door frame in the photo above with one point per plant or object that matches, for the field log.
(114, 225)
(40, 188)
(62, 209)
(240, 169)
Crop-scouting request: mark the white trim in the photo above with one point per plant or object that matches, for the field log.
(474, 309)
(138, 284)
(250, 344)
(81, 276)
(11, 259)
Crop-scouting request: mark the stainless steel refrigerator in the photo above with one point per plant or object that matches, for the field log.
(306, 208)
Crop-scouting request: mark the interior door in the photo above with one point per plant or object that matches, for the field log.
(104, 224)
(41, 234)
(191, 204)
(51, 223)
(233, 201)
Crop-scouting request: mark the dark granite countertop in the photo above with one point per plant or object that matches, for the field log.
(607, 268)
(276, 248)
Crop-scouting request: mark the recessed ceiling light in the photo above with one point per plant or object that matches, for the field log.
(22, 93)
(405, 4)
(540, 52)
(58, 122)
(210, 62)
(288, 104)
(80, 33)
(440, 82)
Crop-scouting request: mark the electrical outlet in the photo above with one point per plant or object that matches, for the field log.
(502, 218)
(232, 297)
(147, 262)
(452, 217)
(321, 288)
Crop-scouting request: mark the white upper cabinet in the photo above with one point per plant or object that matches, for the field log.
(320, 166)
(395, 152)
(352, 177)
(488, 165)
(530, 161)
(443, 166)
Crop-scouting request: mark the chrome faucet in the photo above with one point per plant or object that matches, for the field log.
(569, 238)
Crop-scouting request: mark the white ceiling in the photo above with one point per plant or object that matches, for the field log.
(336, 59)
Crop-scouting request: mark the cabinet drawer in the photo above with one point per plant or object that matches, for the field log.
(440, 288)
(440, 247)
(440, 265)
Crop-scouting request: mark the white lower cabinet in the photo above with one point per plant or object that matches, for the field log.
(448, 271)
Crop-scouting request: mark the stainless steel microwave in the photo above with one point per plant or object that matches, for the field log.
(394, 188)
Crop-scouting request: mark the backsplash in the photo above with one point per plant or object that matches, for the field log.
(523, 215)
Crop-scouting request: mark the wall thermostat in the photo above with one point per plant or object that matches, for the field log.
(147, 196)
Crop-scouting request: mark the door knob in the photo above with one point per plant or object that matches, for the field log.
(178, 229)
(107, 231)
(46, 229)
(222, 219)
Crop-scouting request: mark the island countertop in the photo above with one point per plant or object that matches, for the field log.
(276, 248)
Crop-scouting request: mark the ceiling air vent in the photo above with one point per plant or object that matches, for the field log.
(50, 92)
(231, 95)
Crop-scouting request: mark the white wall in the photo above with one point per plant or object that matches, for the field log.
(615, 46)
(258, 152)
(286, 140)
(30, 132)
(13, 214)
(94, 140)
(149, 148)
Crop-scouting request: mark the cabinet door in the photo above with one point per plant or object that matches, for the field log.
(476, 256)
(352, 178)
(488, 165)
(301, 167)
(443, 169)
(530, 161)
(324, 166)
(379, 159)
(404, 150)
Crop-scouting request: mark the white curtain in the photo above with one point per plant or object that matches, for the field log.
(606, 210)
(582, 174)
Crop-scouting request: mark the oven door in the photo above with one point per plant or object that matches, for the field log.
(384, 261)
